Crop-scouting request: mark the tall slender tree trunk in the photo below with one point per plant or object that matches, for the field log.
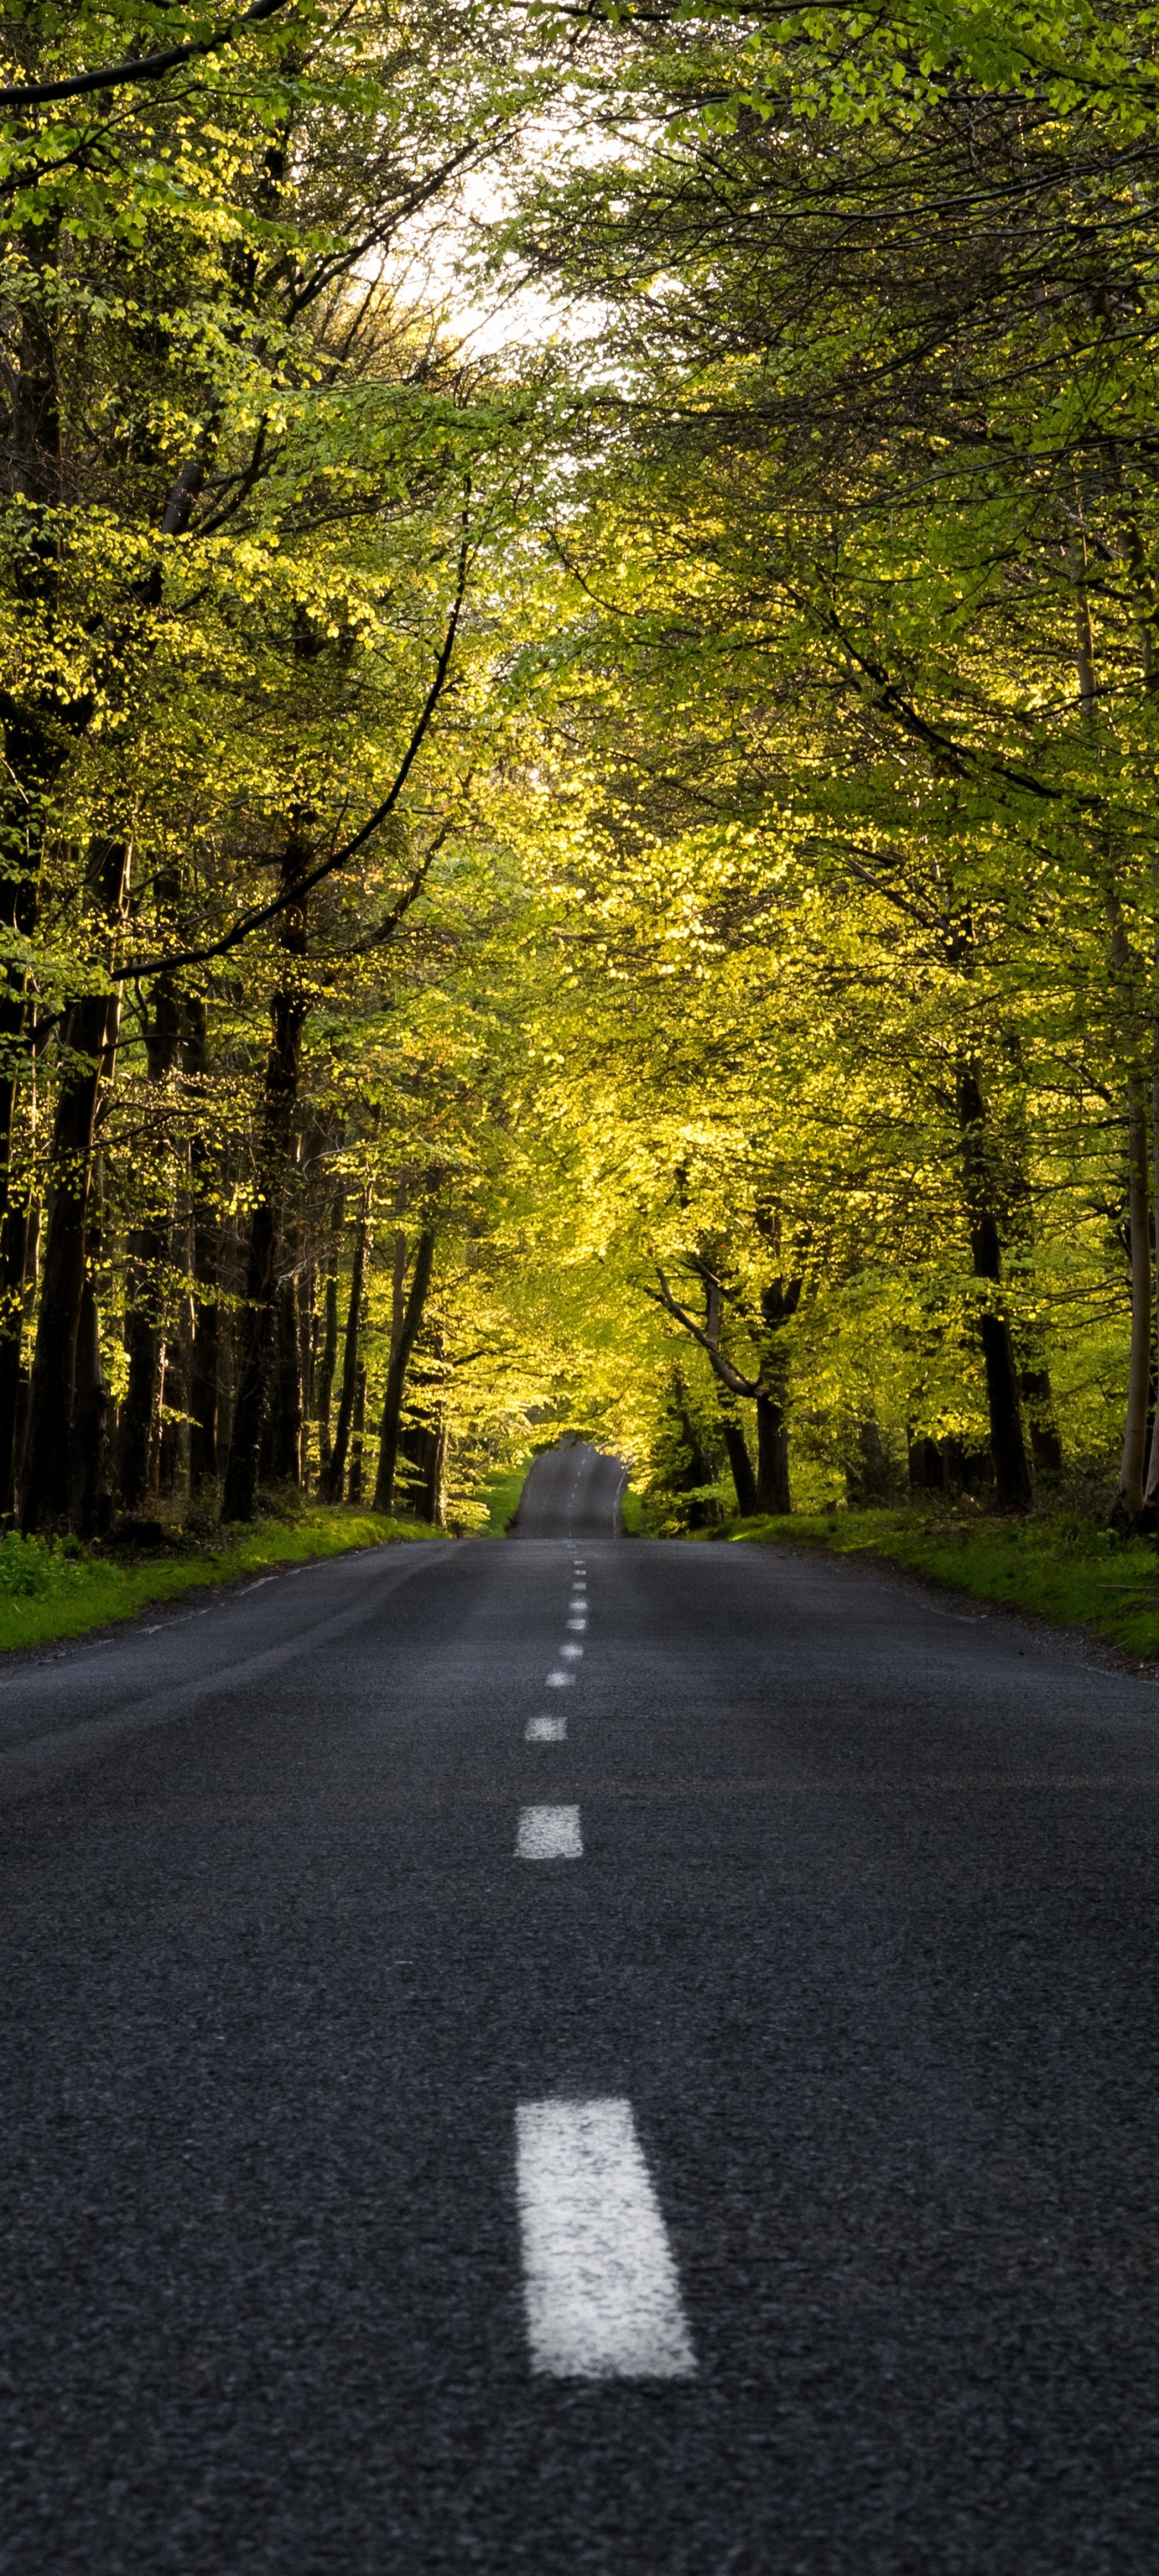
(287, 1403)
(47, 1476)
(358, 1437)
(337, 1471)
(205, 1351)
(283, 1067)
(1134, 1460)
(328, 1357)
(396, 1373)
(147, 1263)
(1013, 1489)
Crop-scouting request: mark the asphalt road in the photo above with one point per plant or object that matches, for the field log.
(572, 1492)
(847, 2000)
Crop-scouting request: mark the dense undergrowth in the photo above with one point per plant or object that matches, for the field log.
(1058, 1565)
(50, 1590)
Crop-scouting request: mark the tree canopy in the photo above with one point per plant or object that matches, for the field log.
(595, 876)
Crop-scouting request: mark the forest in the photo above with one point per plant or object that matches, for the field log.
(579, 665)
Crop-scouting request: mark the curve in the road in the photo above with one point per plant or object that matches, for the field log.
(572, 1491)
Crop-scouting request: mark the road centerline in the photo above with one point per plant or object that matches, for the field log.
(601, 2291)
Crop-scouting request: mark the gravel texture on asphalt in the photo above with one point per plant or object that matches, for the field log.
(864, 1930)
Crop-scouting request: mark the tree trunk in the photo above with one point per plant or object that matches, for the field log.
(283, 1066)
(90, 1500)
(1037, 1395)
(205, 1350)
(1013, 1489)
(287, 1446)
(329, 1358)
(336, 1476)
(1129, 1502)
(741, 1464)
(358, 1437)
(396, 1373)
(147, 1267)
(14, 1239)
(47, 1476)
(424, 1448)
(773, 1493)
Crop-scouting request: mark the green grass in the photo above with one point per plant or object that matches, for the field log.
(1059, 1565)
(632, 1512)
(500, 1491)
(48, 1592)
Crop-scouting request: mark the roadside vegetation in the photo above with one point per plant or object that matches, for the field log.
(598, 881)
(1061, 1566)
(57, 1588)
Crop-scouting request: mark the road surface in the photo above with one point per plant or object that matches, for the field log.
(685, 2105)
(571, 1492)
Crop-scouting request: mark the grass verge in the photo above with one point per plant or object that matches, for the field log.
(47, 1593)
(1058, 1566)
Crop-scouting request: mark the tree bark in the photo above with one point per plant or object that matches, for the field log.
(287, 1446)
(283, 1066)
(336, 1476)
(358, 1437)
(1129, 1502)
(741, 1465)
(773, 1494)
(1013, 1489)
(396, 1373)
(205, 1348)
(46, 1481)
(328, 1361)
(147, 1263)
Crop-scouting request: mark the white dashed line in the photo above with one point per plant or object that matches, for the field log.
(545, 1730)
(573, 1653)
(549, 1833)
(600, 2288)
(559, 1681)
(578, 1625)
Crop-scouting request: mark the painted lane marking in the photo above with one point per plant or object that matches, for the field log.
(549, 1833)
(600, 2288)
(545, 1730)
(559, 1681)
(578, 1625)
(573, 1653)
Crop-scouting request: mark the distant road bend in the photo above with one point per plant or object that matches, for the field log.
(572, 1492)
(589, 2058)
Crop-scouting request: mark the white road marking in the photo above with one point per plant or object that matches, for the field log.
(549, 1833)
(545, 1730)
(578, 1625)
(559, 1681)
(573, 1653)
(600, 2288)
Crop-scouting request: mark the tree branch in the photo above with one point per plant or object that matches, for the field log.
(149, 68)
(304, 885)
(724, 1370)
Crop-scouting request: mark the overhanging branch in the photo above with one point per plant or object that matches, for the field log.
(150, 67)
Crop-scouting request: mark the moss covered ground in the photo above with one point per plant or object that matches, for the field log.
(1059, 1566)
